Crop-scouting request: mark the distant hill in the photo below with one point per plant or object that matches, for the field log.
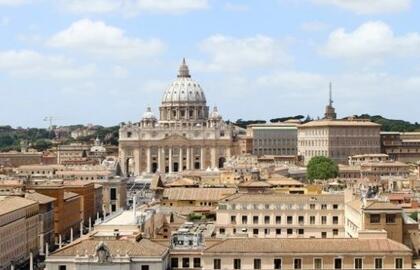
(391, 124)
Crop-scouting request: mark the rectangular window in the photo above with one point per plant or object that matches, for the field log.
(257, 263)
(312, 206)
(244, 219)
(289, 231)
(390, 218)
(62, 267)
(358, 263)
(335, 231)
(375, 218)
(278, 231)
(318, 263)
(301, 220)
(297, 263)
(335, 206)
(233, 219)
(399, 263)
(255, 219)
(323, 234)
(312, 220)
(338, 263)
(197, 262)
(323, 206)
(255, 231)
(301, 231)
(217, 264)
(222, 230)
(266, 231)
(335, 219)
(186, 262)
(277, 263)
(267, 220)
(174, 262)
(289, 219)
(113, 193)
(236, 263)
(378, 263)
(278, 219)
(324, 220)
(145, 267)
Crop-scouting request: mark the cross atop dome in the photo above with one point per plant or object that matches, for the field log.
(183, 71)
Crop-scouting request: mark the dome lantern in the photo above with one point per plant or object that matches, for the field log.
(183, 71)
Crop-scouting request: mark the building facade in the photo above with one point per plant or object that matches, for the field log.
(18, 230)
(274, 139)
(186, 136)
(338, 139)
(401, 146)
(281, 216)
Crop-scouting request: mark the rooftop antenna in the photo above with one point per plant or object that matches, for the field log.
(331, 101)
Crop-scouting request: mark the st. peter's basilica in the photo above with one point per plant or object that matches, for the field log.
(186, 136)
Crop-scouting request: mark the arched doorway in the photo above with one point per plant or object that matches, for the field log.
(154, 167)
(221, 162)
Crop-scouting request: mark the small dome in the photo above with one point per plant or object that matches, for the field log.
(215, 115)
(184, 89)
(148, 114)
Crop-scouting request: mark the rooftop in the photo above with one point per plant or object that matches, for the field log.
(308, 245)
(9, 204)
(203, 194)
(285, 198)
(144, 248)
(339, 123)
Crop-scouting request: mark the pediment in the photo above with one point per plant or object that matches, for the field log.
(175, 139)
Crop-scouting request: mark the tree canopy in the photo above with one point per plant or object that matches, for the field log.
(392, 124)
(320, 167)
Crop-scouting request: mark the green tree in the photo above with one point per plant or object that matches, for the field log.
(42, 144)
(321, 168)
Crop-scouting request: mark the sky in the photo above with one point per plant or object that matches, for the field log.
(105, 61)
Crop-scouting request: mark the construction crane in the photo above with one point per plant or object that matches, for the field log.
(49, 119)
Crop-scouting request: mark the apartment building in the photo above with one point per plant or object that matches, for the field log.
(281, 216)
(338, 139)
(18, 230)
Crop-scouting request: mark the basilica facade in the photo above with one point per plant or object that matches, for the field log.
(185, 137)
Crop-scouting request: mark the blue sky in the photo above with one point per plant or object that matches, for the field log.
(105, 61)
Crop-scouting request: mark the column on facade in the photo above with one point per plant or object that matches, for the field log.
(228, 152)
(202, 158)
(170, 160)
(213, 157)
(181, 161)
(159, 159)
(148, 160)
(188, 165)
(136, 156)
(123, 161)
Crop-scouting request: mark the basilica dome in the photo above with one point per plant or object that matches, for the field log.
(184, 89)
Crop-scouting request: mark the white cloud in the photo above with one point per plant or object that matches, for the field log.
(370, 41)
(97, 38)
(313, 26)
(364, 7)
(27, 63)
(90, 6)
(234, 54)
(301, 81)
(229, 6)
(133, 7)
